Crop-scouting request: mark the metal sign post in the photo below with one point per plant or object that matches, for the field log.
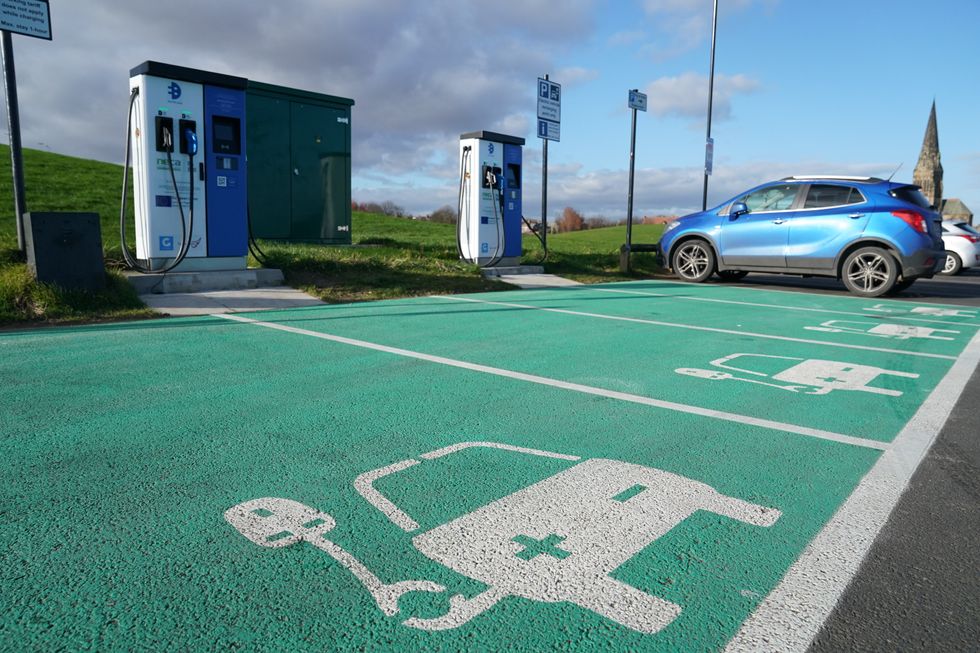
(549, 129)
(637, 102)
(709, 144)
(30, 18)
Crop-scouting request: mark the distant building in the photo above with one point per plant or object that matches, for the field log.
(928, 174)
(954, 209)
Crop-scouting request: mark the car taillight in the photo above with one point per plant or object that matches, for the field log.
(972, 239)
(912, 219)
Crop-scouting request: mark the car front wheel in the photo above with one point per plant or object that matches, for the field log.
(869, 272)
(693, 261)
(953, 264)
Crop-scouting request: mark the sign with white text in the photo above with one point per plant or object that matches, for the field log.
(549, 110)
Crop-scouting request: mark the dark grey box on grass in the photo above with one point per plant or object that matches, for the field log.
(65, 249)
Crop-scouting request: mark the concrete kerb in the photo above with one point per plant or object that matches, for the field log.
(232, 291)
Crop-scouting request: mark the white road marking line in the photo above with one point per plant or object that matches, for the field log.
(791, 616)
(775, 306)
(842, 295)
(576, 387)
(691, 327)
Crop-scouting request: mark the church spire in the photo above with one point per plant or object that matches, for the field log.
(928, 173)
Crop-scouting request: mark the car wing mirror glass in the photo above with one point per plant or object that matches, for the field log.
(738, 208)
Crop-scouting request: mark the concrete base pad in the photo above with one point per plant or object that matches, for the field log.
(537, 280)
(502, 270)
(193, 282)
(228, 301)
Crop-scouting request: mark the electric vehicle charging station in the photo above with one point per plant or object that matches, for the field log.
(190, 178)
(488, 230)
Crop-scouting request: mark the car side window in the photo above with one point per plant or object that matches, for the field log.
(771, 198)
(825, 195)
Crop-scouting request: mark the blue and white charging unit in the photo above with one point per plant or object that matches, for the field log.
(490, 211)
(198, 119)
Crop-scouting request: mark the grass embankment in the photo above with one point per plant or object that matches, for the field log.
(54, 182)
(391, 257)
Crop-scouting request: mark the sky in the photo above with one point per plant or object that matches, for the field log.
(801, 87)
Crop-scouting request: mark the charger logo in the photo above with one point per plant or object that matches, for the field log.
(174, 90)
(166, 243)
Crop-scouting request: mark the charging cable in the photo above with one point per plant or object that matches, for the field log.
(463, 188)
(187, 232)
(498, 219)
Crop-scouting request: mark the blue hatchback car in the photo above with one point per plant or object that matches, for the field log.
(876, 236)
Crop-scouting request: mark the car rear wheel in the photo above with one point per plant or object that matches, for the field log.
(869, 272)
(693, 261)
(731, 275)
(953, 264)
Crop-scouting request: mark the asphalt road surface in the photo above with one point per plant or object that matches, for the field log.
(919, 587)
(963, 289)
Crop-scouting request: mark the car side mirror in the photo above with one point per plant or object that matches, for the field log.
(738, 208)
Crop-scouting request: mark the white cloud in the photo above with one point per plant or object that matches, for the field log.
(657, 191)
(420, 73)
(574, 75)
(687, 95)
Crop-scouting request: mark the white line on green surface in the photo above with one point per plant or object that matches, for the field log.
(793, 613)
(691, 327)
(576, 387)
(714, 300)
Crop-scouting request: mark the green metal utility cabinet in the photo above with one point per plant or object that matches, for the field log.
(299, 173)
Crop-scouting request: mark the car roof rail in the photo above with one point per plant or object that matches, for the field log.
(867, 180)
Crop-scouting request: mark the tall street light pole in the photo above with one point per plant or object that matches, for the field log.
(708, 145)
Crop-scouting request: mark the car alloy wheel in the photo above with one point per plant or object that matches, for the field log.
(953, 264)
(869, 272)
(694, 261)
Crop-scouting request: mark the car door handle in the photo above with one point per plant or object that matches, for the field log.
(778, 221)
(855, 216)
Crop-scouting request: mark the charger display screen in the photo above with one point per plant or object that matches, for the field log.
(226, 135)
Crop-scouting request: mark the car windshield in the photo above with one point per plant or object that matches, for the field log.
(912, 195)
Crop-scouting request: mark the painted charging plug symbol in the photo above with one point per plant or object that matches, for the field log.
(807, 376)
(274, 523)
(891, 331)
(558, 540)
(937, 311)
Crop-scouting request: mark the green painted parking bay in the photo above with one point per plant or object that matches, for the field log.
(862, 393)
(214, 483)
(840, 326)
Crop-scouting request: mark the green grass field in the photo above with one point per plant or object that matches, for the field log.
(391, 257)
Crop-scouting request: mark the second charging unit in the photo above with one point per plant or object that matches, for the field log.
(490, 203)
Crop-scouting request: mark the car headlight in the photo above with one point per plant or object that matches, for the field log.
(672, 225)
